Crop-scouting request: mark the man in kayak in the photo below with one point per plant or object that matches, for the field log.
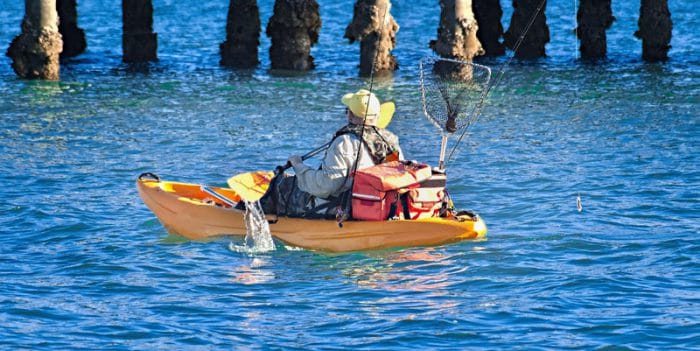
(318, 193)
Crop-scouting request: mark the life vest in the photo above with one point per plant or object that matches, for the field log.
(382, 144)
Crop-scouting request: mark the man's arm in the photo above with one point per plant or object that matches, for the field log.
(336, 164)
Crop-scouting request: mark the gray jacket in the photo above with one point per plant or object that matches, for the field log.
(337, 163)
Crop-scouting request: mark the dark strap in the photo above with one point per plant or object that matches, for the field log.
(269, 199)
(404, 204)
(392, 209)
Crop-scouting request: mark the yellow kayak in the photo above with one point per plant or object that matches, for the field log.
(188, 210)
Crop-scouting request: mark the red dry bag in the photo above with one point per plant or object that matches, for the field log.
(375, 192)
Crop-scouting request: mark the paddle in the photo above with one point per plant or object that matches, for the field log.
(215, 194)
(251, 186)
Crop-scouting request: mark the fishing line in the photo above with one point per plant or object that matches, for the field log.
(371, 82)
(577, 56)
(371, 86)
(499, 77)
(341, 215)
(576, 53)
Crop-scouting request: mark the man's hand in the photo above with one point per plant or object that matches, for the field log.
(295, 160)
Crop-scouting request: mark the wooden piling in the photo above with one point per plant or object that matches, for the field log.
(293, 30)
(488, 15)
(73, 36)
(594, 17)
(457, 31)
(139, 43)
(35, 52)
(240, 50)
(655, 28)
(538, 35)
(375, 28)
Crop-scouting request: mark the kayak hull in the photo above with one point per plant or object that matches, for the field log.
(185, 209)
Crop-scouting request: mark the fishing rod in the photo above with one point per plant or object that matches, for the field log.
(371, 87)
(499, 77)
(323, 147)
(341, 214)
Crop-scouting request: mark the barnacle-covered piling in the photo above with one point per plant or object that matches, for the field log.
(35, 52)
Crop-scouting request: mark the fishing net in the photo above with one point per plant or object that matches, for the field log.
(452, 92)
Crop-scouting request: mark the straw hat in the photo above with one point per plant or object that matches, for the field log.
(363, 104)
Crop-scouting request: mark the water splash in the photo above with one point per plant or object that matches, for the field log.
(258, 237)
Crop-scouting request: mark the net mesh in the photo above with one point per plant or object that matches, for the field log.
(452, 91)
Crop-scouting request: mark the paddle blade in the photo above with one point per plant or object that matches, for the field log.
(386, 113)
(251, 186)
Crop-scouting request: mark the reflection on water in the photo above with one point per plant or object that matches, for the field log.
(409, 270)
(43, 93)
(253, 273)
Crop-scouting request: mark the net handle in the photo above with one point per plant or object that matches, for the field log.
(443, 149)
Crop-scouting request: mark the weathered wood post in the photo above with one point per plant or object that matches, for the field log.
(293, 30)
(457, 31)
(139, 43)
(36, 50)
(655, 30)
(73, 36)
(488, 15)
(538, 35)
(375, 28)
(594, 17)
(240, 49)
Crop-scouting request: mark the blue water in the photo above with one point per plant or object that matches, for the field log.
(85, 265)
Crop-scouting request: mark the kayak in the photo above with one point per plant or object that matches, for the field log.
(190, 210)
